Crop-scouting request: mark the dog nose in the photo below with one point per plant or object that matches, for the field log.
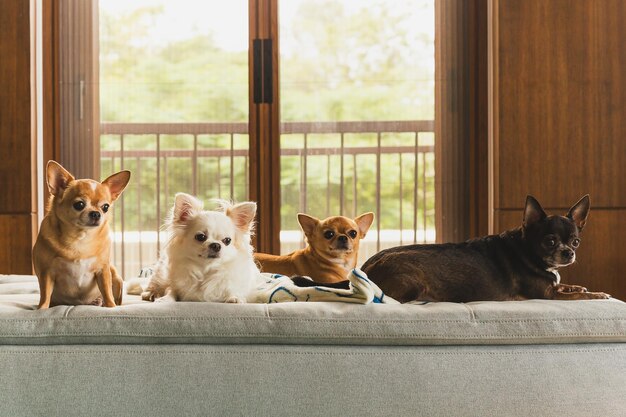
(215, 247)
(95, 215)
(342, 239)
(567, 254)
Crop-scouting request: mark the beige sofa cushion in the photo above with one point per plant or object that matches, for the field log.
(139, 322)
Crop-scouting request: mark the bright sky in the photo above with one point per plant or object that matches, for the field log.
(227, 20)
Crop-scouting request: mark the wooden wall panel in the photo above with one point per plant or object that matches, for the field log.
(601, 258)
(17, 173)
(562, 91)
(17, 236)
(17, 137)
(557, 120)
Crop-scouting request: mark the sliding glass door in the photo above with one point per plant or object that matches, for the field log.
(357, 111)
(173, 110)
(333, 116)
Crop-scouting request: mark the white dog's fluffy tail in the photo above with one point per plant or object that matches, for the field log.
(137, 286)
(133, 287)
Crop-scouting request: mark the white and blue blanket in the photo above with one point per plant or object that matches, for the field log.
(282, 289)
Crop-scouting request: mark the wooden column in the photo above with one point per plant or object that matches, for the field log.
(460, 119)
(18, 178)
(264, 123)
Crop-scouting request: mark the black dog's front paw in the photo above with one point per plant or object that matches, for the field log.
(580, 296)
(569, 288)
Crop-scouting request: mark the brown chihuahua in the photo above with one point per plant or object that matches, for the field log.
(332, 250)
(71, 255)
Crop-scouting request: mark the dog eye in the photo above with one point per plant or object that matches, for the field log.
(79, 205)
(105, 208)
(575, 243)
(551, 242)
(329, 234)
(226, 241)
(200, 237)
(352, 233)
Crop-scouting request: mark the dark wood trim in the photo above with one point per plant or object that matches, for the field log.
(50, 65)
(264, 132)
(478, 119)
(17, 237)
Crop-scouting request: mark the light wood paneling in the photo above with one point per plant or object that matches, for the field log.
(561, 85)
(601, 258)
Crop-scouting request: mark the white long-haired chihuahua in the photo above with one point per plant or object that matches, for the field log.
(208, 256)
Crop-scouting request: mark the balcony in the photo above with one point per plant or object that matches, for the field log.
(327, 168)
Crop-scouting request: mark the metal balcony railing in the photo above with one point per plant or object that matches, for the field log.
(211, 160)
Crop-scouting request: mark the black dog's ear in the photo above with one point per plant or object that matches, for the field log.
(579, 211)
(533, 211)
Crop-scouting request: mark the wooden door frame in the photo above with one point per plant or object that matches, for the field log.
(50, 65)
(264, 123)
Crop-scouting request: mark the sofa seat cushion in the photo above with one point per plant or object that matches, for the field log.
(139, 322)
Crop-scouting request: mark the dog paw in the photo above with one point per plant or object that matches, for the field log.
(235, 300)
(97, 302)
(598, 295)
(147, 296)
(570, 288)
(167, 298)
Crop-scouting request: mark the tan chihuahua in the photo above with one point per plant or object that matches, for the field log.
(332, 250)
(71, 255)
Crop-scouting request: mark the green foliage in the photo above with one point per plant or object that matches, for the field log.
(347, 65)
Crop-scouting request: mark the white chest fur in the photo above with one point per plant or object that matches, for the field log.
(80, 272)
(342, 262)
(557, 276)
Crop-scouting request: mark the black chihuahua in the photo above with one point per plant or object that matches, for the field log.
(517, 264)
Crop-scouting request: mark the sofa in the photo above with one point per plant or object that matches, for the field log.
(521, 358)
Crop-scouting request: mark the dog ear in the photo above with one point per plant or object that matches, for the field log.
(185, 206)
(242, 214)
(307, 223)
(364, 221)
(116, 183)
(533, 211)
(58, 178)
(579, 212)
